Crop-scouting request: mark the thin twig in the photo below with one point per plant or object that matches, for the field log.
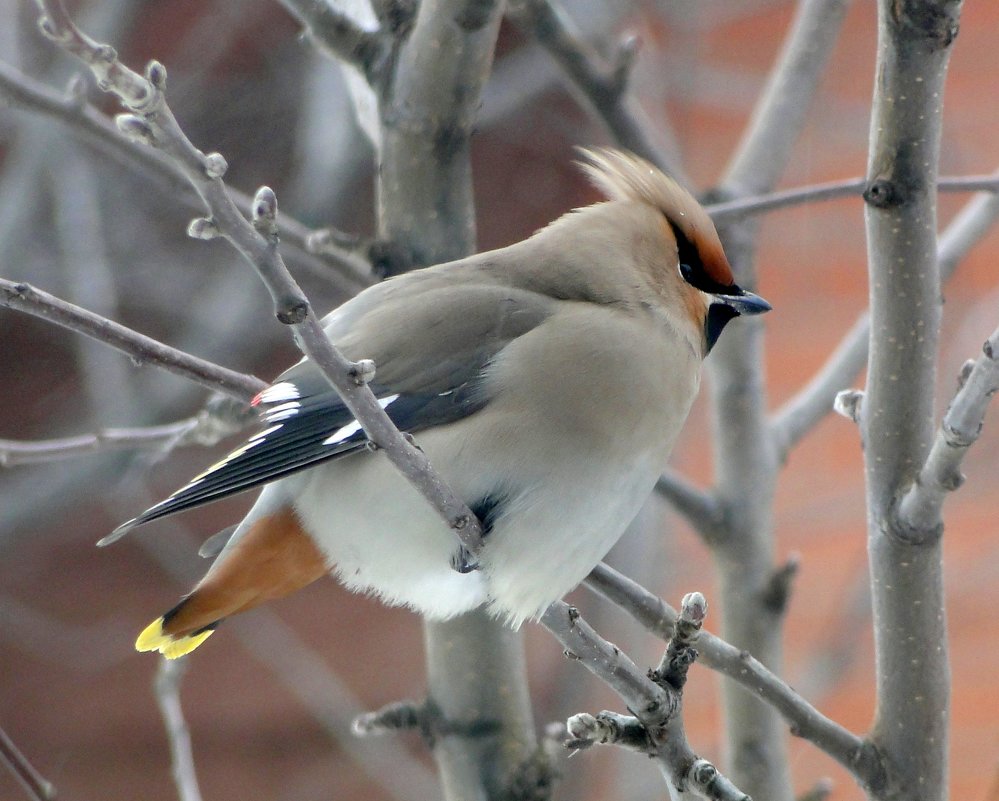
(203, 429)
(832, 190)
(920, 508)
(602, 86)
(799, 415)
(339, 36)
(152, 122)
(167, 688)
(805, 721)
(701, 508)
(141, 349)
(91, 126)
(654, 699)
(34, 784)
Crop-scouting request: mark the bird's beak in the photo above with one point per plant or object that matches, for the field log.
(744, 302)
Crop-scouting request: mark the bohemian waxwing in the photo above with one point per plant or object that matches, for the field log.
(546, 382)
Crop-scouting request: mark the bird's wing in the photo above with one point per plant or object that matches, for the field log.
(430, 359)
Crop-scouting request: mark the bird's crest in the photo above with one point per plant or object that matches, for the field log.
(626, 177)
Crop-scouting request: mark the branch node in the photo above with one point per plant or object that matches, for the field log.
(849, 403)
(136, 129)
(399, 716)
(76, 92)
(884, 193)
(48, 29)
(778, 589)
(203, 228)
(706, 779)
(463, 560)
(293, 311)
(624, 62)
(215, 165)
(967, 367)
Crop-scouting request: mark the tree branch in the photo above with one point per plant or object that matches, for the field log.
(848, 187)
(339, 36)
(153, 122)
(141, 349)
(779, 114)
(655, 699)
(920, 508)
(701, 508)
(96, 130)
(803, 411)
(167, 690)
(746, 461)
(910, 633)
(34, 784)
(805, 721)
(203, 429)
(603, 87)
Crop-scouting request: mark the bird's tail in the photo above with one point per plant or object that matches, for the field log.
(272, 558)
(155, 637)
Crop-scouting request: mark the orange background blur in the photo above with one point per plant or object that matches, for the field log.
(77, 699)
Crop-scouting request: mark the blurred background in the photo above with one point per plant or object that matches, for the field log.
(270, 697)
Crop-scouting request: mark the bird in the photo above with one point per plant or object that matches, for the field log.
(546, 381)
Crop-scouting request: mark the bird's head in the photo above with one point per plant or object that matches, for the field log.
(695, 273)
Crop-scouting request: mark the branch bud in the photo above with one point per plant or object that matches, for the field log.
(215, 165)
(362, 371)
(694, 608)
(849, 403)
(76, 91)
(156, 74)
(203, 228)
(136, 129)
(265, 211)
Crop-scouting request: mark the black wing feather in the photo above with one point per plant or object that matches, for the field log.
(298, 433)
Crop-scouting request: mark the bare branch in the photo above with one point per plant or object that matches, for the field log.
(655, 700)
(153, 123)
(779, 115)
(920, 508)
(96, 130)
(34, 784)
(801, 413)
(203, 429)
(805, 721)
(141, 349)
(849, 187)
(167, 688)
(908, 601)
(701, 508)
(605, 660)
(602, 86)
(337, 35)
(746, 461)
(969, 225)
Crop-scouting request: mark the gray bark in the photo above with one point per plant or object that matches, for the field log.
(913, 673)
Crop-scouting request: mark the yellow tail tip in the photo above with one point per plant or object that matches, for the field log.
(153, 638)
